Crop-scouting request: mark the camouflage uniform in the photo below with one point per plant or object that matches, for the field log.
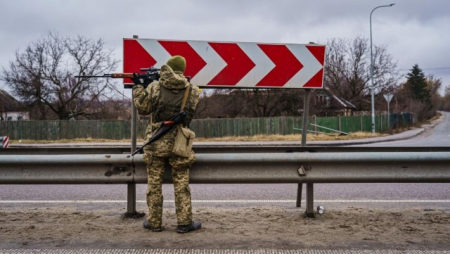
(148, 101)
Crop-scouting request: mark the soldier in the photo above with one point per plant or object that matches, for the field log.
(162, 99)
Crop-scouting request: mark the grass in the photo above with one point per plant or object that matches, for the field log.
(310, 137)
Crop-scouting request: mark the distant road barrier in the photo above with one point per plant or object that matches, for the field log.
(334, 167)
(4, 141)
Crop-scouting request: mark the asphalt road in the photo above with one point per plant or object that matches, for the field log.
(437, 136)
(237, 195)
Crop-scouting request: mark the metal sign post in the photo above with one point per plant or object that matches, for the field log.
(309, 186)
(388, 98)
(131, 187)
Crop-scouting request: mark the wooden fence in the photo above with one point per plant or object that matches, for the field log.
(117, 130)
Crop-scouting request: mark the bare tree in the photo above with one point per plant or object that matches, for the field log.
(347, 70)
(262, 102)
(445, 104)
(42, 75)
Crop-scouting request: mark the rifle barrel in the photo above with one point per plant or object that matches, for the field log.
(112, 75)
(95, 76)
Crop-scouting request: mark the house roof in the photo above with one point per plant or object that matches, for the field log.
(344, 103)
(9, 103)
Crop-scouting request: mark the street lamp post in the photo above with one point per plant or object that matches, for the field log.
(371, 67)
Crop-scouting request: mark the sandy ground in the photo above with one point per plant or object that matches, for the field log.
(263, 227)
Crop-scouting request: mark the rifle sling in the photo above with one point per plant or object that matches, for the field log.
(186, 93)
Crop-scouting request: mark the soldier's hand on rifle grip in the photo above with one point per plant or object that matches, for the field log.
(146, 81)
(141, 80)
(136, 79)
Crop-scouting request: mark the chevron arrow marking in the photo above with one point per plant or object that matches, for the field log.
(214, 65)
(238, 64)
(263, 64)
(157, 51)
(308, 71)
(194, 61)
(135, 57)
(317, 80)
(286, 65)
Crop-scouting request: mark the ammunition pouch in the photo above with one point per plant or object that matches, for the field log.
(184, 140)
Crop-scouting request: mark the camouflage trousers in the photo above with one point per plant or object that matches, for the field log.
(180, 176)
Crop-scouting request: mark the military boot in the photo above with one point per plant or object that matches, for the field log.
(188, 228)
(151, 228)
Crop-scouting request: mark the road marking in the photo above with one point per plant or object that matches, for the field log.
(227, 201)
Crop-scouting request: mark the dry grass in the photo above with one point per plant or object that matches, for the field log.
(77, 140)
(434, 118)
(310, 137)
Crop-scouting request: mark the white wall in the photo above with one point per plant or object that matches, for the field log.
(15, 116)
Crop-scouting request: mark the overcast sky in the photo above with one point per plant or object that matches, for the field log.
(414, 31)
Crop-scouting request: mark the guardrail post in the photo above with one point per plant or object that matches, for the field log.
(131, 200)
(310, 200)
(299, 195)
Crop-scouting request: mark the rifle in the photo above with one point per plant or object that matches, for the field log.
(165, 127)
(151, 73)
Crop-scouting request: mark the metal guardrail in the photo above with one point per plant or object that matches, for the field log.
(200, 148)
(336, 167)
(234, 168)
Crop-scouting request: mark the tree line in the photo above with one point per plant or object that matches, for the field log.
(42, 77)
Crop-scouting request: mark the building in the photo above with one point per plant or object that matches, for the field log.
(328, 104)
(12, 109)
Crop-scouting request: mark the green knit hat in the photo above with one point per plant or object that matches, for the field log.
(177, 63)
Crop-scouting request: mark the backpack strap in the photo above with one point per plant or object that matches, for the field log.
(186, 95)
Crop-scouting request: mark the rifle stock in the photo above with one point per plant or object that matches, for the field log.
(165, 127)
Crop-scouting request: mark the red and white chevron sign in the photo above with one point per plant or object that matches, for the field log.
(5, 141)
(233, 64)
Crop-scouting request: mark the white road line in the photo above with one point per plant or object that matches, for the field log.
(225, 201)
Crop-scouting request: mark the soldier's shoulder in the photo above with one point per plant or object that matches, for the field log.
(195, 88)
(154, 86)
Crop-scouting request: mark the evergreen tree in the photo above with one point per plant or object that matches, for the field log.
(417, 84)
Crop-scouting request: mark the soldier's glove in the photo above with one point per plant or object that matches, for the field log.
(139, 79)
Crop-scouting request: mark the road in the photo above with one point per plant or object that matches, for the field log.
(438, 136)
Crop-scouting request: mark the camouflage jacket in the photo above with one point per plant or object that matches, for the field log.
(147, 101)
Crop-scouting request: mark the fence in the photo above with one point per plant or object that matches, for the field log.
(117, 129)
